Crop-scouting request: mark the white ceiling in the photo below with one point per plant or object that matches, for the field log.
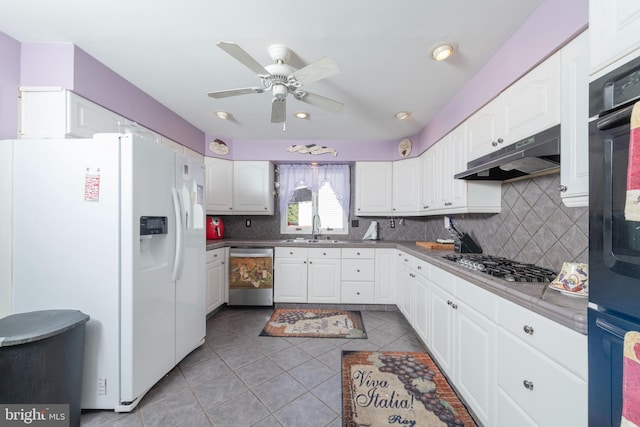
(168, 49)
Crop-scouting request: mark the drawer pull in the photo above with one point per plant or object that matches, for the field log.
(528, 329)
(310, 262)
(357, 293)
(527, 384)
(358, 253)
(419, 267)
(449, 302)
(454, 306)
(290, 253)
(358, 271)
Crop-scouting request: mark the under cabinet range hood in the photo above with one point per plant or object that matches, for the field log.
(535, 155)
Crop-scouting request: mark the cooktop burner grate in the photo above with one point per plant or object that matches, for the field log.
(503, 268)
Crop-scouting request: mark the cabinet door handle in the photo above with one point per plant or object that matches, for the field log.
(357, 293)
(310, 262)
(528, 329)
(304, 262)
(449, 302)
(324, 253)
(419, 267)
(527, 384)
(357, 271)
(358, 253)
(454, 306)
(562, 188)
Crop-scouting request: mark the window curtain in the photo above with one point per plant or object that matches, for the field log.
(314, 177)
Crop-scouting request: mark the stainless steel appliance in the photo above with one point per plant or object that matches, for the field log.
(503, 268)
(537, 154)
(614, 243)
(251, 276)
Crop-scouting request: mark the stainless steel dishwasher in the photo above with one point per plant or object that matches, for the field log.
(251, 276)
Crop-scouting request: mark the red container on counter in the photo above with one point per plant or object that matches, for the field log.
(215, 228)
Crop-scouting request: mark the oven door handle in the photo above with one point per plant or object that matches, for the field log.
(610, 328)
(619, 118)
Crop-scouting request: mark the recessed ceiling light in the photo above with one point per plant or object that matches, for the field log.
(401, 115)
(301, 115)
(223, 115)
(442, 52)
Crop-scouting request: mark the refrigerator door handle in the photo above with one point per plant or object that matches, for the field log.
(177, 261)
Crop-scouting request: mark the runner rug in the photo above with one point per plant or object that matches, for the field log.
(398, 389)
(315, 323)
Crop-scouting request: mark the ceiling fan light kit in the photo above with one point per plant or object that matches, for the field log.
(281, 79)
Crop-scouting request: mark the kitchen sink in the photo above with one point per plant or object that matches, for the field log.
(319, 241)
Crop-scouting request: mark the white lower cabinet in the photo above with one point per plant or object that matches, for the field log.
(358, 275)
(385, 276)
(323, 275)
(462, 334)
(542, 370)
(216, 278)
(290, 275)
(307, 275)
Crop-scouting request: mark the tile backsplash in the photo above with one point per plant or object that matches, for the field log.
(534, 226)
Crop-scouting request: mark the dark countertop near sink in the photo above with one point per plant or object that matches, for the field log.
(566, 310)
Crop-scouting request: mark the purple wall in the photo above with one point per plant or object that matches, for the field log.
(276, 150)
(47, 64)
(552, 25)
(9, 82)
(117, 94)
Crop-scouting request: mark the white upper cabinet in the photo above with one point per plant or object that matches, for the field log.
(406, 186)
(239, 188)
(219, 180)
(253, 187)
(441, 192)
(483, 130)
(58, 113)
(429, 168)
(374, 188)
(530, 105)
(574, 139)
(614, 26)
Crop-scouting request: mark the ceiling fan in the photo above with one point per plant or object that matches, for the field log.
(281, 79)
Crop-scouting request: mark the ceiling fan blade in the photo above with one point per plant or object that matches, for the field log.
(327, 104)
(278, 110)
(241, 55)
(318, 70)
(234, 92)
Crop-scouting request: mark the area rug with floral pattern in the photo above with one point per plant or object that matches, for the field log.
(398, 388)
(316, 323)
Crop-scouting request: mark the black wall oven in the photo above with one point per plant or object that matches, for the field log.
(614, 243)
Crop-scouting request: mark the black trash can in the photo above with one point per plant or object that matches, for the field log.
(41, 363)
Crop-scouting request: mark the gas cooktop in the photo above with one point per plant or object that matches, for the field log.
(503, 268)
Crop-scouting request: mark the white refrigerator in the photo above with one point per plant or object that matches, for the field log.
(112, 226)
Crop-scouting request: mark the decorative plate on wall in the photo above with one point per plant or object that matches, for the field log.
(218, 146)
(404, 148)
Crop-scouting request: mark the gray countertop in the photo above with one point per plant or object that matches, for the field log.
(537, 297)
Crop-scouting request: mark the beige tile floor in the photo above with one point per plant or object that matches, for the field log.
(238, 378)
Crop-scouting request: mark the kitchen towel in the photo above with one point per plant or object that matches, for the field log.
(631, 380)
(632, 205)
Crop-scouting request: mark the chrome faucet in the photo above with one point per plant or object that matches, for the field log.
(315, 226)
